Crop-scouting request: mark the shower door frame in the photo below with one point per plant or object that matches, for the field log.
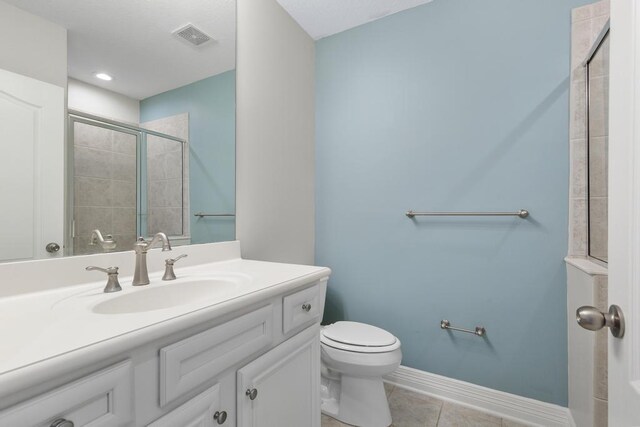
(75, 116)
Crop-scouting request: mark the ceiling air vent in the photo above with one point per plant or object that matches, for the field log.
(191, 34)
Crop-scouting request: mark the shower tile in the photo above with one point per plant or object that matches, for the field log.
(578, 171)
(123, 167)
(581, 42)
(600, 8)
(92, 137)
(154, 145)
(598, 174)
(578, 227)
(167, 220)
(598, 227)
(156, 167)
(125, 241)
(156, 194)
(124, 143)
(173, 165)
(581, 13)
(600, 413)
(578, 111)
(124, 194)
(460, 416)
(92, 191)
(597, 25)
(600, 365)
(92, 163)
(81, 246)
(88, 219)
(124, 220)
(410, 409)
(598, 108)
(173, 193)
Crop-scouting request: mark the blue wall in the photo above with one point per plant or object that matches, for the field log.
(453, 105)
(211, 104)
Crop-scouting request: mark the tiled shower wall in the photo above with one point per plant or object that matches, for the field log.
(167, 177)
(587, 23)
(104, 187)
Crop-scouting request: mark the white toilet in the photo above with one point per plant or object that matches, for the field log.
(355, 356)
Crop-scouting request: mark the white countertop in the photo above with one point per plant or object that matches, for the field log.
(50, 327)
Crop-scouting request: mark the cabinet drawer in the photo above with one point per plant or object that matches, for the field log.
(301, 308)
(100, 399)
(195, 360)
(198, 412)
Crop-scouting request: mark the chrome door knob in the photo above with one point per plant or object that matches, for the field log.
(252, 393)
(306, 307)
(61, 422)
(52, 248)
(220, 417)
(593, 319)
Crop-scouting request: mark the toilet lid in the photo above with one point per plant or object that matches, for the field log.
(358, 334)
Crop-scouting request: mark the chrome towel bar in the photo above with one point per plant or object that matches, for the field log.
(479, 331)
(202, 214)
(522, 213)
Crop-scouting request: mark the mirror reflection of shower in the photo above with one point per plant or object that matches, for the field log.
(597, 67)
(126, 182)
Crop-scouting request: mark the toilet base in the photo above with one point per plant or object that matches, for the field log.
(357, 401)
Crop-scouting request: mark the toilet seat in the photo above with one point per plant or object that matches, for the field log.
(358, 338)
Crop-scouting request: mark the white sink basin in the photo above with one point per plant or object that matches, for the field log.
(168, 295)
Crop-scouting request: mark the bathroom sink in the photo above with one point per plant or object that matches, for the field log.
(168, 295)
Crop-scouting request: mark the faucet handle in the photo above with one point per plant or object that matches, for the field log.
(112, 278)
(168, 267)
(172, 261)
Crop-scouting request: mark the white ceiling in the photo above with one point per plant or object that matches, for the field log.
(322, 18)
(132, 40)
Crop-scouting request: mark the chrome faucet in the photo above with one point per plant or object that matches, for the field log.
(141, 247)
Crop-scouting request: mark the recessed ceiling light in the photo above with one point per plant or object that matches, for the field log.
(104, 76)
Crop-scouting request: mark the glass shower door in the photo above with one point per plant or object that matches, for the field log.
(104, 180)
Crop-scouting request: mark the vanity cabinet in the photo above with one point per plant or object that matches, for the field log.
(281, 387)
(257, 365)
(201, 411)
(100, 399)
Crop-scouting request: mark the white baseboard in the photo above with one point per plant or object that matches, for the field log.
(498, 403)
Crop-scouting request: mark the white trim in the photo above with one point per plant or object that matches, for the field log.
(498, 403)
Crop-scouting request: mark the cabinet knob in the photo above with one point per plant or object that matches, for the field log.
(61, 422)
(306, 307)
(220, 417)
(252, 393)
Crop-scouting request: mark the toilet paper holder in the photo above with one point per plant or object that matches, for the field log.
(479, 330)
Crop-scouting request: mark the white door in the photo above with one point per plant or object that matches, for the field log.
(282, 387)
(32, 170)
(624, 211)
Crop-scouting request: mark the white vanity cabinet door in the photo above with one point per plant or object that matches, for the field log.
(286, 385)
(100, 399)
(201, 411)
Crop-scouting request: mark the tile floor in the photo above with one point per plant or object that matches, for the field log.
(409, 409)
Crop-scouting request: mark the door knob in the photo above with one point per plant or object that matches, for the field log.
(593, 319)
(52, 247)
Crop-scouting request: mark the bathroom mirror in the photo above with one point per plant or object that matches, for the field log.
(598, 147)
(149, 126)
